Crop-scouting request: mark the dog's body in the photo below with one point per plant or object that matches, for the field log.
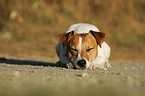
(82, 46)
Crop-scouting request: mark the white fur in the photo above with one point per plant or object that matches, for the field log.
(81, 28)
(80, 44)
(101, 60)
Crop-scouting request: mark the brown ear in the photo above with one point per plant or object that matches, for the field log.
(99, 36)
(65, 37)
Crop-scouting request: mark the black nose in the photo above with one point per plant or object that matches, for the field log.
(81, 63)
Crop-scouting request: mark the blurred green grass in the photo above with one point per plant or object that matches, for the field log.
(30, 27)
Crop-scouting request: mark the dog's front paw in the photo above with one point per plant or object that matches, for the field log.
(91, 67)
(69, 66)
(107, 65)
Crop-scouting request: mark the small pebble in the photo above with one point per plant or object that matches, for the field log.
(127, 77)
(136, 77)
(16, 73)
(125, 68)
(18, 69)
(141, 67)
(133, 68)
(36, 67)
(49, 77)
(85, 75)
(34, 71)
(132, 82)
(105, 72)
(113, 73)
(62, 68)
(119, 73)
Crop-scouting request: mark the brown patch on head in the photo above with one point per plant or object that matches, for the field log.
(89, 48)
(65, 37)
(72, 47)
(99, 36)
(69, 40)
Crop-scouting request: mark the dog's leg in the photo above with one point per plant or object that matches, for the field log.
(107, 64)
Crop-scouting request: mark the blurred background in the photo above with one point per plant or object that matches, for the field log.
(29, 28)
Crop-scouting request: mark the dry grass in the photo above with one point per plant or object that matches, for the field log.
(30, 27)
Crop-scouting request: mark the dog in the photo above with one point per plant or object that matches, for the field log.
(83, 46)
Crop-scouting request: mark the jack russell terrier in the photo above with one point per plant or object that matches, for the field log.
(82, 46)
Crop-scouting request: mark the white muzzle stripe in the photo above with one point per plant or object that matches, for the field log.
(80, 46)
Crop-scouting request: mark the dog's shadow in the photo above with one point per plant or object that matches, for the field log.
(27, 62)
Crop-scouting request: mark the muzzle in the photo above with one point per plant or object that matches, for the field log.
(82, 63)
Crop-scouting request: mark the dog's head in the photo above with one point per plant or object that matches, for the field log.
(82, 48)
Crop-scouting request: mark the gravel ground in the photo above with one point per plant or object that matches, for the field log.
(33, 78)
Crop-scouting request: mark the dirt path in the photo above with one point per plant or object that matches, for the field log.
(27, 78)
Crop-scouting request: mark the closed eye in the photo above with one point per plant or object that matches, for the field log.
(74, 49)
(89, 49)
